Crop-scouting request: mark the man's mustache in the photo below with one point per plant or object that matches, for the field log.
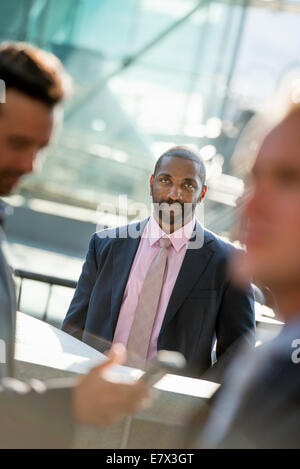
(171, 202)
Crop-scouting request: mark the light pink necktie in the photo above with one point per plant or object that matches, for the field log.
(141, 330)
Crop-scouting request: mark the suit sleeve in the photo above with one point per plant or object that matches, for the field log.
(36, 415)
(269, 414)
(74, 322)
(235, 327)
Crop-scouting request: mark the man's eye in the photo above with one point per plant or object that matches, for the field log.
(18, 145)
(288, 178)
(164, 180)
(189, 186)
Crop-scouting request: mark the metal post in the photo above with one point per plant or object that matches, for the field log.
(44, 318)
(236, 50)
(19, 294)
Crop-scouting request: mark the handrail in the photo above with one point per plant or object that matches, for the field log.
(43, 278)
(52, 280)
(64, 282)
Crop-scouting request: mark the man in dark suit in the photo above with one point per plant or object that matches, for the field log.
(259, 404)
(118, 299)
(36, 414)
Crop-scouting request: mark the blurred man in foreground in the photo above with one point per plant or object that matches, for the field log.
(40, 415)
(259, 406)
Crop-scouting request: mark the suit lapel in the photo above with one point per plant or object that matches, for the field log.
(194, 264)
(124, 251)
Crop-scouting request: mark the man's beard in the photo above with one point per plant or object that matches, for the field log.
(173, 213)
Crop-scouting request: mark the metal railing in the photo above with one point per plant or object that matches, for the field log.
(48, 279)
(63, 282)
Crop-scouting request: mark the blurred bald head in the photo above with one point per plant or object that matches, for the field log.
(271, 217)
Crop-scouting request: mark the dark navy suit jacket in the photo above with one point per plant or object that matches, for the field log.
(203, 306)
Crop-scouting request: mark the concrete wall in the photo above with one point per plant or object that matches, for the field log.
(50, 230)
(161, 426)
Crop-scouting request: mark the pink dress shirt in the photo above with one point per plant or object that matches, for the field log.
(147, 250)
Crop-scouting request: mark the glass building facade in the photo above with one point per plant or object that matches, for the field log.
(150, 74)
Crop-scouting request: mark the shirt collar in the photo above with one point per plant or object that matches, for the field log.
(178, 239)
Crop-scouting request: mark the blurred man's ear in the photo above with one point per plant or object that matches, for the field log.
(151, 183)
(203, 193)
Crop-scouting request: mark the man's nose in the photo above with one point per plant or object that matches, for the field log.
(26, 162)
(175, 193)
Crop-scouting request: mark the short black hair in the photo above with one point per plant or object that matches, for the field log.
(181, 151)
(33, 71)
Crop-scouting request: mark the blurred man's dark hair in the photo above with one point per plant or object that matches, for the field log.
(33, 71)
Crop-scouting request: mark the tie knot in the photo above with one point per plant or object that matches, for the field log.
(165, 242)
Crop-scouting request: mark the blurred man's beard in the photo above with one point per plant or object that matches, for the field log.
(8, 180)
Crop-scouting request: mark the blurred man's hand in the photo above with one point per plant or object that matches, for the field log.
(98, 401)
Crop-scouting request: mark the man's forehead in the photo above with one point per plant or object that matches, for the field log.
(282, 145)
(183, 166)
(18, 99)
(24, 115)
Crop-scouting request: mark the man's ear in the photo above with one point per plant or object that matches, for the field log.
(151, 184)
(203, 193)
